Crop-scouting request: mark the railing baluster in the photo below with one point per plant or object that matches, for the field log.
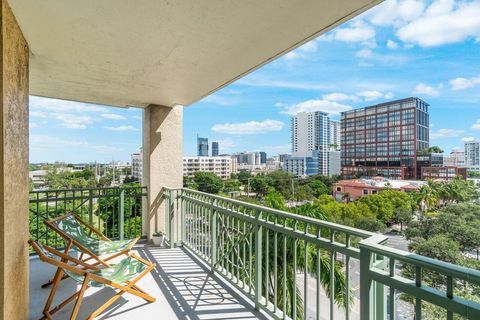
(332, 278)
(294, 275)
(449, 295)
(284, 277)
(258, 260)
(347, 279)
(418, 301)
(392, 289)
(305, 277)
(267, 260)
(121, 222)
(275, 266)
(318, 274)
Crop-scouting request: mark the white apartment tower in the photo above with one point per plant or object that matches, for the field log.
(472, 156)
(312, 134)
(137, 166)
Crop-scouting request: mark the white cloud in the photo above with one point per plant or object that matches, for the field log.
(464, 83)
(392, 44)
(357, 31)
(424, 89)
(374, 95)
(121, 128)
(476, 126)
(364, 53)
(137, 117)
(330, 107)
(112, 116)
(395, 13)
(338, 96)
(308, 47)
(73, 121)
(443, 22)
(446, 133)
(468, 139)
(55, 105)
(33, 125)
(39, 141)
(251, 127)
(292, 55)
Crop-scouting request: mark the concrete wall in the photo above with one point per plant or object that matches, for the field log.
(162, 160)
(14, 271)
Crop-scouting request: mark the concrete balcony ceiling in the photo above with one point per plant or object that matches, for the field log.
(136, 53)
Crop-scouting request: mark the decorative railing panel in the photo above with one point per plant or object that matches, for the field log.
(296, 267)
(116, 211)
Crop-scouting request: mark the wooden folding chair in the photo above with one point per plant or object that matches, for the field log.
(122, 276)
(93, 243)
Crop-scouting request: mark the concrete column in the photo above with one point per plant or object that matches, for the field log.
(14, 273)
(162, 160)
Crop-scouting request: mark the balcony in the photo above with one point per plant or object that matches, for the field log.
(227, 259)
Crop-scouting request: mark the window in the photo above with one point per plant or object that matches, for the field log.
(374, 192)
(365, 191)
(339, 188)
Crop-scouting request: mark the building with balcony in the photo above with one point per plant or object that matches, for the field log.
(384, 139)
(221, 166)
(221, 254)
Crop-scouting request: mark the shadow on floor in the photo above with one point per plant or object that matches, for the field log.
(183, 287)
(194, 292)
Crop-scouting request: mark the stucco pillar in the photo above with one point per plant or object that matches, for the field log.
(162, 160)
(13, 169)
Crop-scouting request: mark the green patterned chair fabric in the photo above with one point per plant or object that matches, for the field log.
(121, 272)
(71, 227)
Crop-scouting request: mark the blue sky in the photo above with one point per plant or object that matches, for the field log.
(429, 49)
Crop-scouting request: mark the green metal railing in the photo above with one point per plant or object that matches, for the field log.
(296, 267)
(116, 211)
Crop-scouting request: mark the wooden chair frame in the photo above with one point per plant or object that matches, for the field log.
(70, 241)
(86, 272)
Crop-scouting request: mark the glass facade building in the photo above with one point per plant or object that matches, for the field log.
(202, 147)
(384, 139)
(214, 149)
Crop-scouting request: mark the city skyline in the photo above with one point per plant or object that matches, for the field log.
(366, 61)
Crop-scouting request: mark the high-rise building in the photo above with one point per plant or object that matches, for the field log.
(202, 147)
(335, 137)
(137, 166)
(384, 139)
(214, 149)
(311, 141)
(263, 157)
(472, 156)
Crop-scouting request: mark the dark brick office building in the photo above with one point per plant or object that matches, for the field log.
(383, 140)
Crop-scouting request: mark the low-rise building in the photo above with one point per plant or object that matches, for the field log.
(221, 166)
(350, 190)
(443, 173)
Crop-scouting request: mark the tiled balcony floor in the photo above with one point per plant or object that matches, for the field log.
(182, 285)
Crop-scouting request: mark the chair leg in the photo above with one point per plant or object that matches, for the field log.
(105, 305)
(56, 281)
(80, 297)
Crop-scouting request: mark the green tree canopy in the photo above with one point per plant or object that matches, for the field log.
(208, 182)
